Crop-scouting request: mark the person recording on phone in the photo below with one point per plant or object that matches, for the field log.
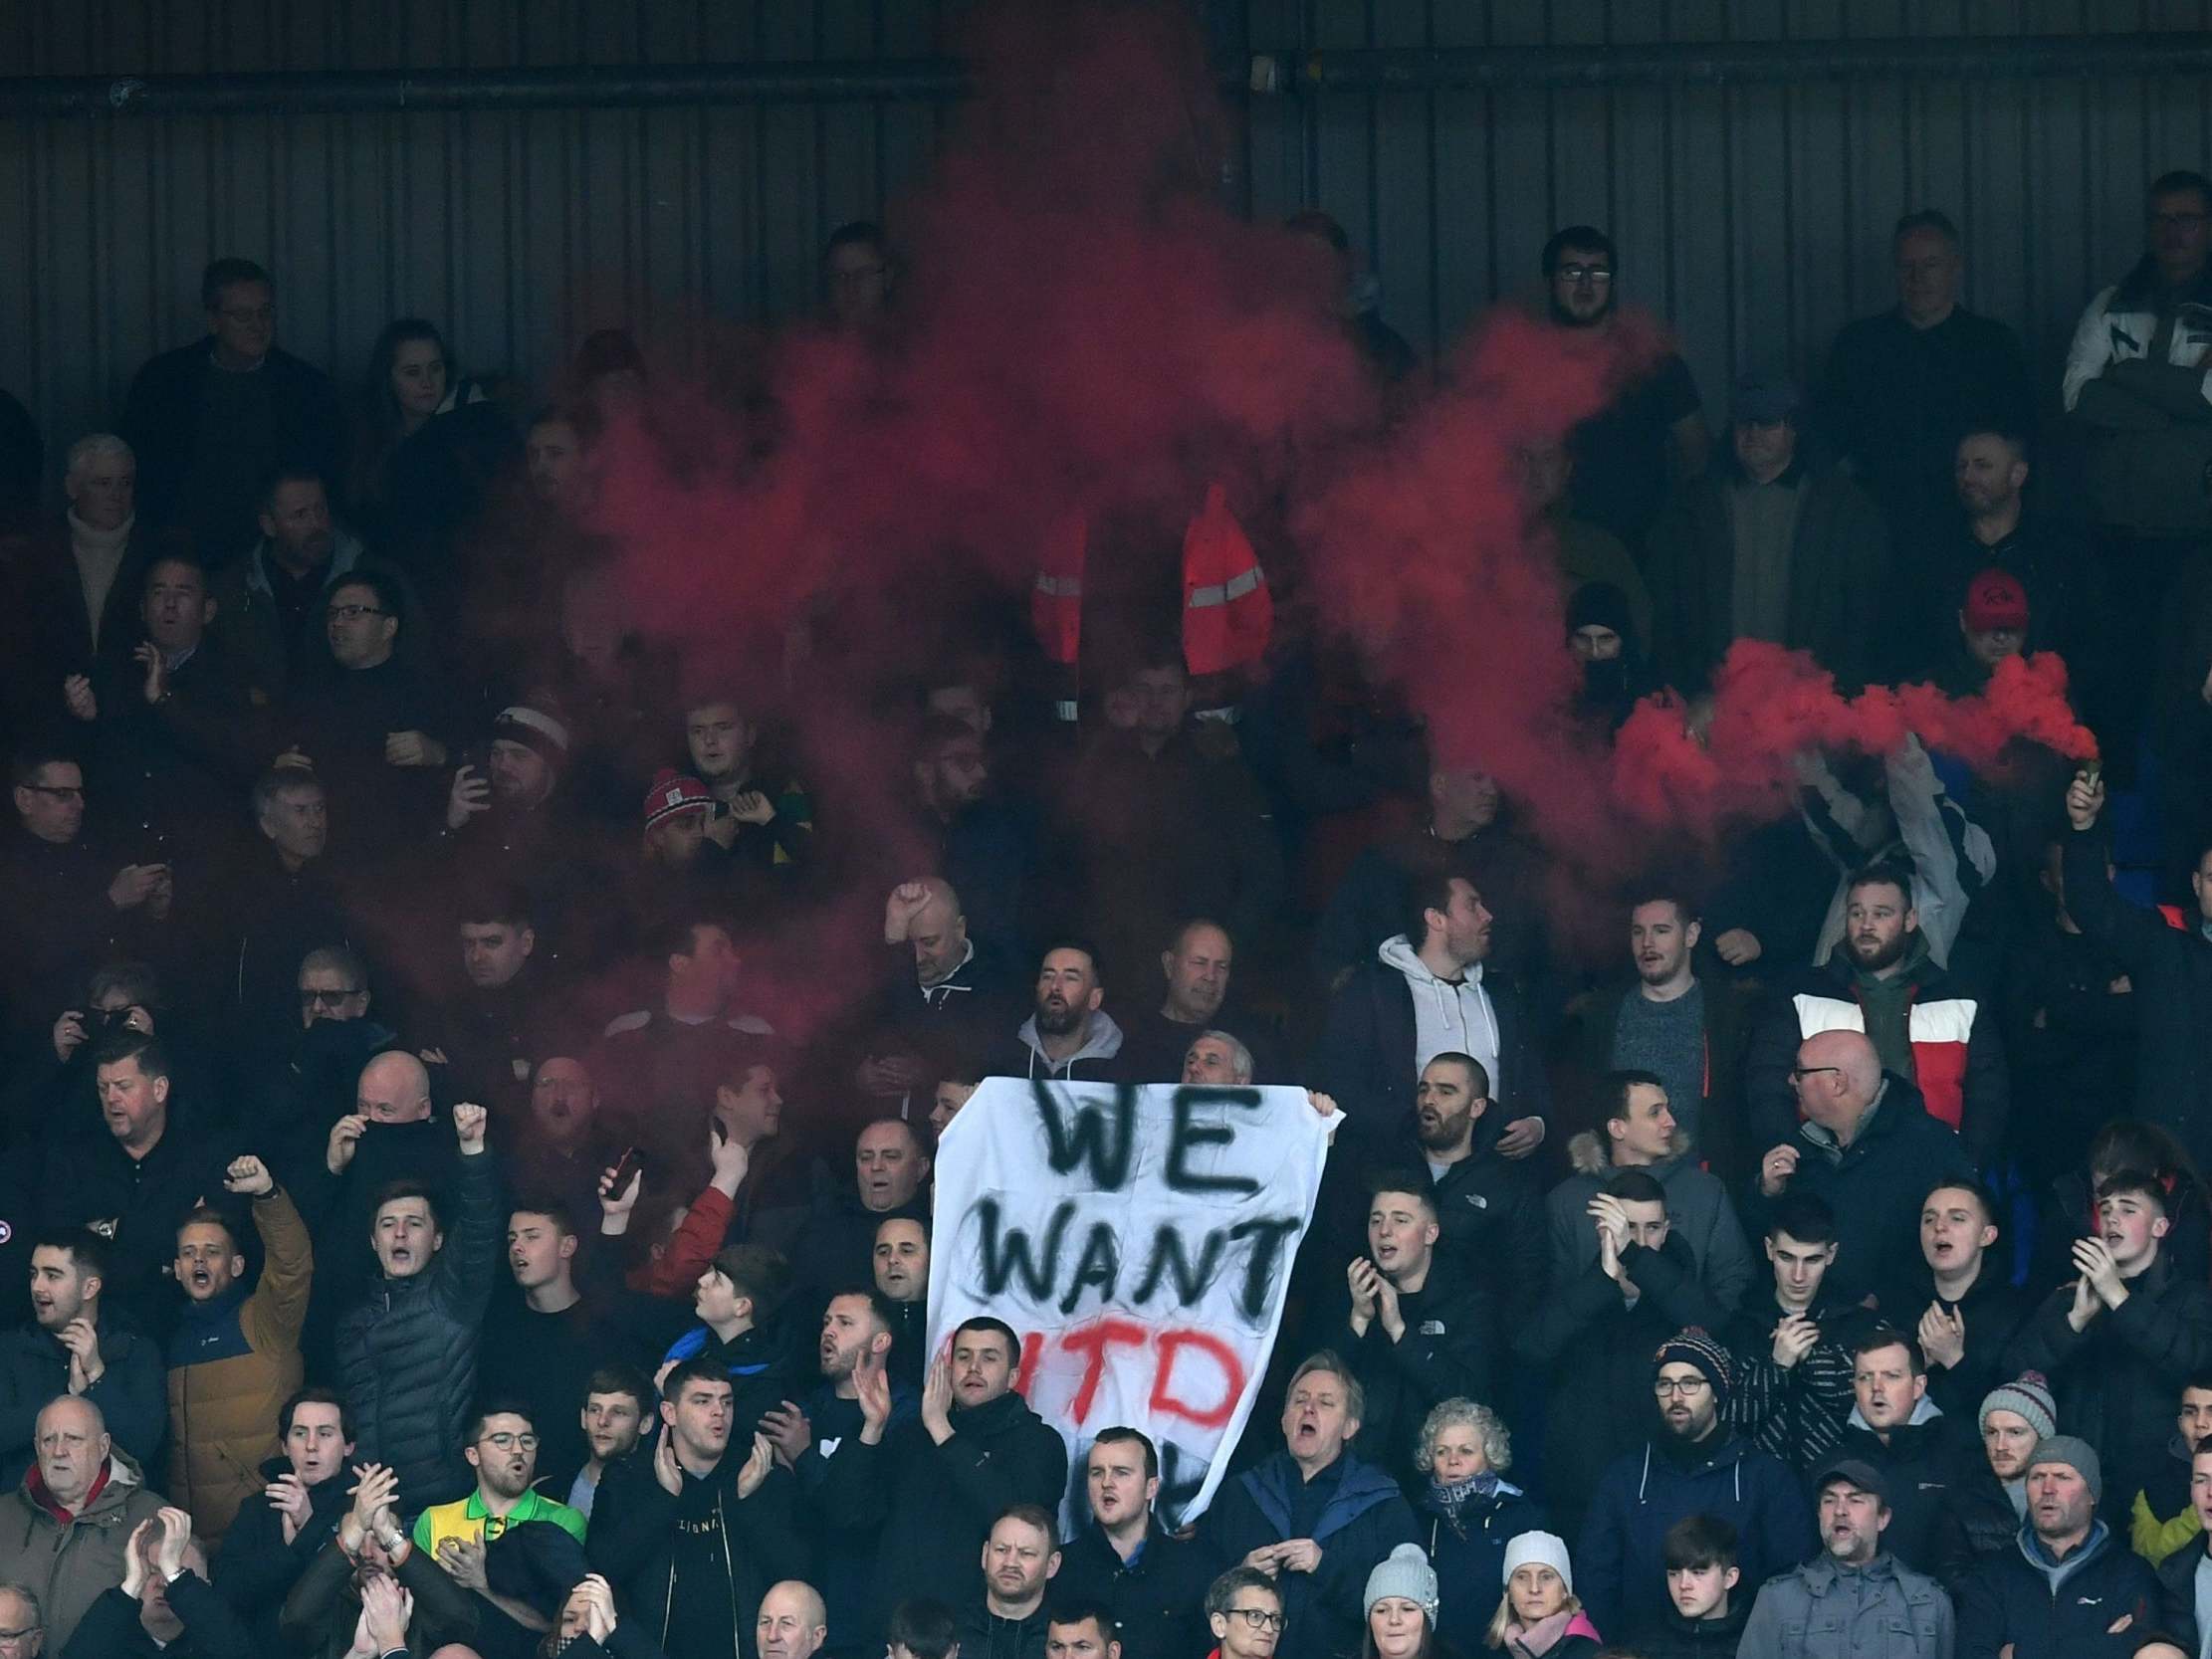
(2168, 963)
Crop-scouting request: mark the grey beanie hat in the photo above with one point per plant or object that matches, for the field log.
(2075, 1453)
(1404, 1572)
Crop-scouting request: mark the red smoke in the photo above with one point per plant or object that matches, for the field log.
(1085, 329)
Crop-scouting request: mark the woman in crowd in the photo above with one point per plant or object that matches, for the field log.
(1469, 1510)
(1539, 1616)
(1401, 1603)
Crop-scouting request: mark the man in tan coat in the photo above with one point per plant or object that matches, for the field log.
(235, 1357)
(64, 1533)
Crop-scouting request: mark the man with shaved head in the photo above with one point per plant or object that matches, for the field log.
(65, 1530)
(1196, 963)
(1868, 1146)
(793, 1623)
(944, 997)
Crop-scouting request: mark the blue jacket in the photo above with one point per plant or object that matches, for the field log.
(1620, 1572)
(2018, 1598)
(1469, 1557)
(1363, 1521)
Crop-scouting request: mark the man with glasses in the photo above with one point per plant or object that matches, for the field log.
(22, 1635)
(64, 906)
(210, 418)
(503, 1450)
(1867, 1146)
(1693, 1465)
(1244, 1610)
(1653, 434)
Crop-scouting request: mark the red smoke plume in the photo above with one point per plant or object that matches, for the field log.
(1086, 329)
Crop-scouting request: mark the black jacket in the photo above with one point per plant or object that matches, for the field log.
(407, 1354)
(1797, 1413)
(89, 1177)
(255, 1569)
(1993, 1309)
(1919, 1461)
(1356, 1518)
(830, 1242)
(1875, 1185)
(1677, 1637)
(2118, 1379)
(1157, 1600)
(324, 1606)
(2171, 969)
(1366, 1058)
(985, 1635)
(934, 1504)
(132, 1396)
(652, 1548)
(1984, 1510)
(111, 1629)
(161, 421)
(1469, 1554)
(2177, 1585)
(2007, 1601)
(1596, 1352)
(1449, 1348)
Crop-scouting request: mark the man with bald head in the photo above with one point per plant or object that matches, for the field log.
(793, 1623)
(65, 1532)
(945, 996)
(1196, 966)
(1868, 1146)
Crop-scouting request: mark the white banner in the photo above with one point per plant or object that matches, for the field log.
(1139, 1241)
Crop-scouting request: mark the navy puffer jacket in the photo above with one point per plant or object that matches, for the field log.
(407, 1354)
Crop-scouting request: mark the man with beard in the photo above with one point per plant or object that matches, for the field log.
(2120, 1340)
(1489, 1214)
(1855, 1588)
(1423, 993)
(2069, 1587)
(566, 1149)
(1694, 1465)
(1653, 434)
(267, 611)
(1925, 1031)
(1197, 965)
(853, 1406)
(1152, 1582)
(1686, 1029)
(1069, 1038)
(234, 1358)
(503, 1450)
(693, 1535)
(1990, 1485)
(1419, 1330)
(1021, 1556)
(1867, 1147)
(936, 1484)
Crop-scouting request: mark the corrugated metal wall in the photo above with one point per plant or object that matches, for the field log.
(1755, 219)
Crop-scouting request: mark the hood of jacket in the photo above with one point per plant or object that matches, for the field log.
(346, 552)
(1924, 1411)
(1397, 951)
(1591, 1154)
(1101, 1042)
(1361, 1487)
(124, 1477)
(2056, 1573)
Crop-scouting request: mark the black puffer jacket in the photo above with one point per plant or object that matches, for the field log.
(407, 1354)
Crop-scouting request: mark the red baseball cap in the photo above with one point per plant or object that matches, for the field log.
(1995, 599)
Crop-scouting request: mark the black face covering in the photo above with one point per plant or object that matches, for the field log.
(1605, 680)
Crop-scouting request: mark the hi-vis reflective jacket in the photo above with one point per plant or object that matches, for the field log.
(1227, 612)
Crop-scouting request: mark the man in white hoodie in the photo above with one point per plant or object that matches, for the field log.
(1416, 1000)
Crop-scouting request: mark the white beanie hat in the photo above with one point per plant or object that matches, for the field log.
(1540, 1550)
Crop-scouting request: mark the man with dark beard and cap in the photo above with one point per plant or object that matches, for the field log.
(1883, 982)
(1693, 1465)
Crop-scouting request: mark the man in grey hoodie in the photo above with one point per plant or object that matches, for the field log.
(1639, 1131)
(1069, 1038)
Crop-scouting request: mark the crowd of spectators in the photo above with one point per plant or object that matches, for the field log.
(472, 1074)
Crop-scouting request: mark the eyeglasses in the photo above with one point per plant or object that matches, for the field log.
(325, 1000)
(1797, 1074)
(1258, 1617)
(1585, 273)
(351, 613)
(248, 313)
(1683, 1388)
(507, 1441)
(60, 791)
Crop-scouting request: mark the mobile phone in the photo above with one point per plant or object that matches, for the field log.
(625, 1166)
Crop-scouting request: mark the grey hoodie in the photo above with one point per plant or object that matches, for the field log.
(1447, 1017)
(1102, 1042)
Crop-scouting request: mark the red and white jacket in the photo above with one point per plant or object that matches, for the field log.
(1942, 1031)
